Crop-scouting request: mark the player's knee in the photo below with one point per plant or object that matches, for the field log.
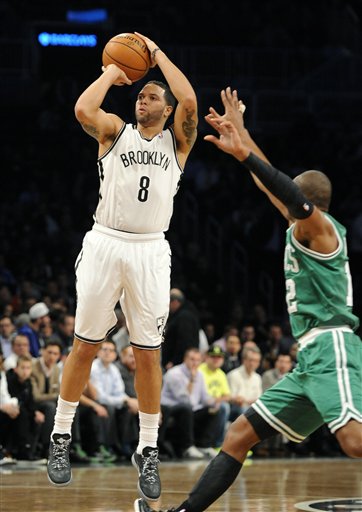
(147, 360)
(85, 351)
(352, 446)
(239, 438)
(350, 439)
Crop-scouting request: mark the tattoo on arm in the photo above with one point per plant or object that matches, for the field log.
(91, 130)
(189, 127)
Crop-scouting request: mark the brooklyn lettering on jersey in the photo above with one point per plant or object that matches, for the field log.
(145, 158)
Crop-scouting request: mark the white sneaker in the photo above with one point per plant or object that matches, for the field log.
(7, 461)
(209, 453)
(193, 453)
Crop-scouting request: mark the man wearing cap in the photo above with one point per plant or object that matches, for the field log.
(37, 313)
(218, 387)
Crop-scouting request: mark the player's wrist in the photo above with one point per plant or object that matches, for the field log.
(154, 53)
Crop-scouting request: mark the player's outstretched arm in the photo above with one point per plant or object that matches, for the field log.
(312, 228)
(95, 121)
(185, 117)
(234, 109)
(281, 190)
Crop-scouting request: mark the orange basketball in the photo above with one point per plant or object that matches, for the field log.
(130, 53)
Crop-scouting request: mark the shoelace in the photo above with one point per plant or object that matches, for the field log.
(149, 466)
(60, 452)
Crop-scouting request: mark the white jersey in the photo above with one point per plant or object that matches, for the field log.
(138, 181)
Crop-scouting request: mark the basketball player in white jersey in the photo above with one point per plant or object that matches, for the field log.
(125, 256)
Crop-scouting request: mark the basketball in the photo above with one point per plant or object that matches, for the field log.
(130, 53)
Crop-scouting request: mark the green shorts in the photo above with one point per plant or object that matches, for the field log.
(325, 387)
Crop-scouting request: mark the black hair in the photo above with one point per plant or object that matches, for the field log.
(169, 97)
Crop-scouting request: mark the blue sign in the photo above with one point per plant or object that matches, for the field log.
(75, 40)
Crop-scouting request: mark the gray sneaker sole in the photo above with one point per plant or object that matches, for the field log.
(59, 485)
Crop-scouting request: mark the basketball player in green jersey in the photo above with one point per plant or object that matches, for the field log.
(326, 386)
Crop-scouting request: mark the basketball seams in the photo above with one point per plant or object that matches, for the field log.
(122, 64)
(129, 48)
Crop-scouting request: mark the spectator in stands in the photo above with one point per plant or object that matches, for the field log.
(229, 330)
(232, 355)
(217, 386)
(275, 446)
(283, 365)
(275, 344)
(7, 330)
(86, 445)
(245, 384)
(9, 411)
(38, 313)
(110, 392)
(30, 418)
(209, 330)
(121, 337)
(247, 333)
(259, 320)
(190, 407)
(45, 380)
(65, 330)
(20, 347)
(182, 329)
(127, 367)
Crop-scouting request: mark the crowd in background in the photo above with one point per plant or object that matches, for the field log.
(209, 379)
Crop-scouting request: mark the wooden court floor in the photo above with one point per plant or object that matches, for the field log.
(274, 485)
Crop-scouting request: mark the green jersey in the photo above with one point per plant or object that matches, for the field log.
(318, 286)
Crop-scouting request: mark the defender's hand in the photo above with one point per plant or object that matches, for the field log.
(233, 109)
(229, 139)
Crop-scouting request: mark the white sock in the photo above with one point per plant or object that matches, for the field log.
(64, 416)
(148, 430)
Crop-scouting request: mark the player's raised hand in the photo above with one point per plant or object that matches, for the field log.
(152, 47)
(233, 109)
(229, 139)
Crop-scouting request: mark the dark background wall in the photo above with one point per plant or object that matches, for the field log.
(296, 65)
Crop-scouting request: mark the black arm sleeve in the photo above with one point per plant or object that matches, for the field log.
(281, 186)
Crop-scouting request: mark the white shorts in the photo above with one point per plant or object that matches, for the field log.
(134, 269)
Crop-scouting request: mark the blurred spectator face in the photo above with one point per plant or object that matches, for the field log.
(47, 327)
(215, 362)
(294, 351)
(107, 353)
(21, 345)
(128, 359)
(210, 331)
(192, 360)
(9, 310)
(248, 333)
(67, 327)
(23, 370)
(233, 344)
(6, 327)
(251, 361)
(260, 313)
(283, 363)
(51, 355)
(275, 333)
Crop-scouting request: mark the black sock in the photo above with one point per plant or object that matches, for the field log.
(215, 480)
